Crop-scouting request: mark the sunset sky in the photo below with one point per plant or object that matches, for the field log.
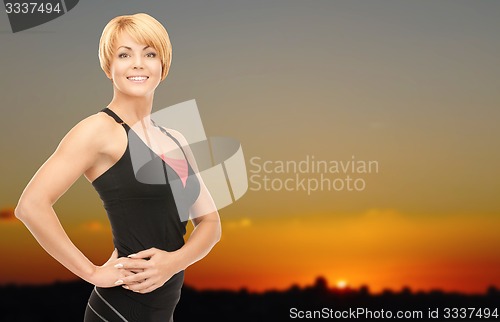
(412, 85)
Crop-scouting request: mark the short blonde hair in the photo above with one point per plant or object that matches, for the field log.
(143, 29)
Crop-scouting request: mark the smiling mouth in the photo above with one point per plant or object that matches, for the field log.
(137, 78)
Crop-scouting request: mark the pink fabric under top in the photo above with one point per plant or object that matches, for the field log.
(179, 165)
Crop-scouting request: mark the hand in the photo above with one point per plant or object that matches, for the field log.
(152, 273)
(106, 275)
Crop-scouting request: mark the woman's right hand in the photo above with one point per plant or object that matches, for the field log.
(107, 274)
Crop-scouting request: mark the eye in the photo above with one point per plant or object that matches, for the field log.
(122, 55)
(151, 55)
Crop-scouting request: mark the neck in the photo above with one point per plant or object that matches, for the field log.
(132, 109)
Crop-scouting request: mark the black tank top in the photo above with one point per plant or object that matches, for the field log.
(146, 212)
(145, 215)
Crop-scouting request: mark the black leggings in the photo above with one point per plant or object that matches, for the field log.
(103, 306)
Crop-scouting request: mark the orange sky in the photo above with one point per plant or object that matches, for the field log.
(378, 248)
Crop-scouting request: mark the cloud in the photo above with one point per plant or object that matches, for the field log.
(93, 226)
(242, 223)
(7, 215)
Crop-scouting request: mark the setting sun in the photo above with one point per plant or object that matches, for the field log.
(341, 284)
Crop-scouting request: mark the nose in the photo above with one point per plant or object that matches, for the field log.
(137, 62)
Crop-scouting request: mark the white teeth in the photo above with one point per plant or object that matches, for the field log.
(137, 78)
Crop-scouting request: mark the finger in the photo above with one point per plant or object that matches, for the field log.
(135, 278)
(126, 273)
(140, 287)
(149, 289)
(114, 255)
(144, 253)
(127, 283)
(137, 264)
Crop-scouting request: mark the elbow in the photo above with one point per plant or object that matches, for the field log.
(218, 235)
(216, 229)
(30, 205)
(24, 209)
(217, 238)
(20, 211)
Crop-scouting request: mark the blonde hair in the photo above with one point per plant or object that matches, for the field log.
(143, 29)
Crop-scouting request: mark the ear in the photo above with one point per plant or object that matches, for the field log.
(108, 75)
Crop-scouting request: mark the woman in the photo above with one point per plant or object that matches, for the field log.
(143, 277)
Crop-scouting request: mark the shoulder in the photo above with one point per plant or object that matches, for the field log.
(92, 130)
(96, 122)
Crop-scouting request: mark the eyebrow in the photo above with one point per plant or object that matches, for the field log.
(129, 48)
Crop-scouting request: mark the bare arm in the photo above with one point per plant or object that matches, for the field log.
(76, 153)
(205, 218)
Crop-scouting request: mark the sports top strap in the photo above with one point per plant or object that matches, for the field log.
(120, 121)
(113, 115)
(171, 136)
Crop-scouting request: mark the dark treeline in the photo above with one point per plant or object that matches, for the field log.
(65, 302)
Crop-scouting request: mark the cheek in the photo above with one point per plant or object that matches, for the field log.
(116, 69)
(156, 68)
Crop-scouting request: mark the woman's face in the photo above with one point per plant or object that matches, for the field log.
(135, 68)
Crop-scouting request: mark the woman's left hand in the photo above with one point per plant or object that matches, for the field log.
(160, 267)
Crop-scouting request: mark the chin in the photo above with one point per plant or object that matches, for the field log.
(137, 92)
